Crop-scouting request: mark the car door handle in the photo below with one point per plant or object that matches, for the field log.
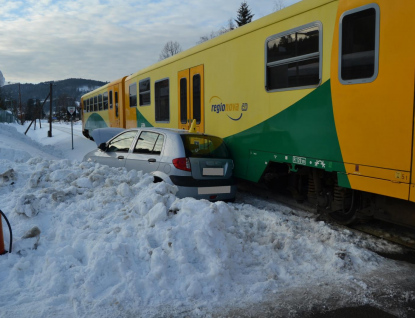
(120, 157)
(151, 160)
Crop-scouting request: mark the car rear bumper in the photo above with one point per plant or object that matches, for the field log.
(189, 181)
(212, 193)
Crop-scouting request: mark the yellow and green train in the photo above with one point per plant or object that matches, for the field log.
(318, 96)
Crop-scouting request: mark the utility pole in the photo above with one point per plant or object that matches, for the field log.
(20, 103)
(50, 111)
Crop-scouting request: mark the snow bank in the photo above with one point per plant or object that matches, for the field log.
(112, 241)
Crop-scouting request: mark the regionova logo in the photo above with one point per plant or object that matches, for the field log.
(233, 110)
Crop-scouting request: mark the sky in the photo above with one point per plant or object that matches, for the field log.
(43, 40)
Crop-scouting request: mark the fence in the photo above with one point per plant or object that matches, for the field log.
(6, 117)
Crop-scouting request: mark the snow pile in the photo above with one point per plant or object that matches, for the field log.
(112, 241)
(16, 146)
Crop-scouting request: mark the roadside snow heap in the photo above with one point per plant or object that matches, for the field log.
(94, 241)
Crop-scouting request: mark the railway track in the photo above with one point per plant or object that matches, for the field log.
(403, 236)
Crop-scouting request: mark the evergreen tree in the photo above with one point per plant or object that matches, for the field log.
(244, 14)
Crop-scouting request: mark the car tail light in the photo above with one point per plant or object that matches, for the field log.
(182, 164)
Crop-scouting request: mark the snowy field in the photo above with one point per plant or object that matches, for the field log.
(94, 241)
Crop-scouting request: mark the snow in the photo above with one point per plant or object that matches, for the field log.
(94, 241)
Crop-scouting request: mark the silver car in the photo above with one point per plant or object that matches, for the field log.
(198, 164)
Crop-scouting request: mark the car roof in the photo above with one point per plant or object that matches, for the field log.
(169, 131)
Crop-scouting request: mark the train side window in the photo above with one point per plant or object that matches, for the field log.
(162, 104)
(359, 45)
(100, 102)
(105, 100)
(144, 92)
(91, 104)
(116, 104)
(95, 103)
(183, 100)
(110, 99)
(133, 95)
(197, 98)
(294, 58)
(86, 106)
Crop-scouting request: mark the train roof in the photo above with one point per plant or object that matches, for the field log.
(284, 14)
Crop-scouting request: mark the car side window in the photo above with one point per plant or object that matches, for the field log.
(122, 142)
(149, 143)
(159, 145)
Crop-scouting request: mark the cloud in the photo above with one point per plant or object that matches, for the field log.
(43, 40)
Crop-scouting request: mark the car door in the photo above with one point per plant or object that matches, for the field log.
(146, 153)
(117, 149)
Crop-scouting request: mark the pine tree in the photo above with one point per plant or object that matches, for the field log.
(244, 14)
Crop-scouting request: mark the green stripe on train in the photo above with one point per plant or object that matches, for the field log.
(142, 121)
(95, 121)
(304, 134)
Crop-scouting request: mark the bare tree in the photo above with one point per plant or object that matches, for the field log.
(171, 48)
(278, 5)
(230, 26)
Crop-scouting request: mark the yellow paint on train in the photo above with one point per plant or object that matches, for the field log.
(374, 120)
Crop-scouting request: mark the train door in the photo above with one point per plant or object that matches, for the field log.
(191, 98)
(372, 84)
(111, 112)
(114, 115)
(412, 188)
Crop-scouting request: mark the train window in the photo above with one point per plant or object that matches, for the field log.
(105, 100)
(91, 105)
(86, 106)
(196, 98)
(183, 100)
(133, 95)
(116, 104)
(359, 45)
(144, 92)
(162, 105)
(95, 103)
(110, 95)
(100, 102)
(294, 59)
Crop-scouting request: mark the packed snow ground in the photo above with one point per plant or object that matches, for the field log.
(94, 241)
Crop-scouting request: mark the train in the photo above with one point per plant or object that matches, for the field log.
(316, 99)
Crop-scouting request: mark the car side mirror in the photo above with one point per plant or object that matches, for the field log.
(103, 146)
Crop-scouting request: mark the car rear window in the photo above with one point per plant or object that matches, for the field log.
(205, 146)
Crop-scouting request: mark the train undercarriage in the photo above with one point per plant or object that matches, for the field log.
(346, 206)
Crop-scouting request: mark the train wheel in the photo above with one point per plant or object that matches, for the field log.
(349, 206)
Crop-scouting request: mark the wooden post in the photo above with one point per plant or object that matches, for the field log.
(50, 112)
